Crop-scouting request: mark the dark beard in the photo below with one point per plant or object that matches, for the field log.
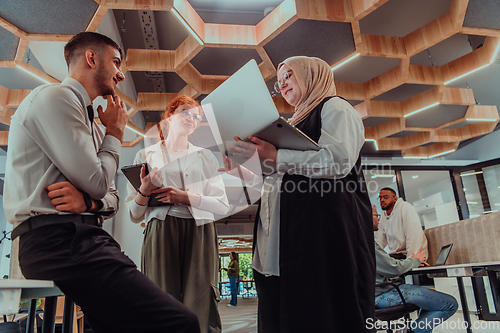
(100, 78)
(388, 206)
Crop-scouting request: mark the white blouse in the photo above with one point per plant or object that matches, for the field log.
(199, 173)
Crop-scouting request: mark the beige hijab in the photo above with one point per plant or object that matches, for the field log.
(315, 79)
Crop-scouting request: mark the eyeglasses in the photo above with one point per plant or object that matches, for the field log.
(385, 197)
(377, 215)
(286, 76)
(187, 114)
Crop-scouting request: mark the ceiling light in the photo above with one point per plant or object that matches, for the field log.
(416, 176)
(415, 157)
(470, 173)
(374, 142)
(495, 54)
(443, 153)
(461, 76)
(345, 62)
(422, 109)
(136, 131)
(480, 119)
(382, 176)
(27, 71)
(471, 203)
(183, 21)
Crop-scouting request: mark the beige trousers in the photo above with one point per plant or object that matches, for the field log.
(183, 259)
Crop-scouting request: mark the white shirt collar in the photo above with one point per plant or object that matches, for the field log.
(78, 86)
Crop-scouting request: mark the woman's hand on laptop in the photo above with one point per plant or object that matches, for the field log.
(266, 151)
(234, 169)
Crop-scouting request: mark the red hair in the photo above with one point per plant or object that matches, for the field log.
(172, 106)
(175, 103)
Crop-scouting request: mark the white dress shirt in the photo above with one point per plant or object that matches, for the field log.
(51, 140)
(342, 136)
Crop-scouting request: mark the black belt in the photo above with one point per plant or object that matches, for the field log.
(48, 219)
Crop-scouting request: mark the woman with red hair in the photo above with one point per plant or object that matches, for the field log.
(179, 250)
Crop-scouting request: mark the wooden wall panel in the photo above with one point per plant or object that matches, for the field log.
(351, 90)
(326, 10)
(230, 35)
(154, 101)
(382, 46)
(282, 105)
(4, 138)
(361, 8)
(420, 101)
(430, 34)
(15, 97)
(278, 20)
(6, 114)
(150, 60)
(186, 51)
(425, 75)
(192, 18)
(139, 4)
(386, 109)
(482, 112)
(97, 18)
(388, 128)
(458, 96)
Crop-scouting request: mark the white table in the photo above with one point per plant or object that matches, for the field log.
(13, 290)
(459, 271)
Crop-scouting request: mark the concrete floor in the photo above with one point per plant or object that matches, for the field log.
(241, 318)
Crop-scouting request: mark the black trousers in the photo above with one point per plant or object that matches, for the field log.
(87, 264)
(268, 289)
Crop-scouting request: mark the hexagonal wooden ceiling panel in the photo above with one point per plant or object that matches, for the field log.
(395, 59)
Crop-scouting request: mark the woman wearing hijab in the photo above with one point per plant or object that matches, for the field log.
(313, 246)
(179, 251)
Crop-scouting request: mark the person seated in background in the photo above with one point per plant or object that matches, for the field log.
(399, 227)
(435, 306)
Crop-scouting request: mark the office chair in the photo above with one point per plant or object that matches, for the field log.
(395, 312)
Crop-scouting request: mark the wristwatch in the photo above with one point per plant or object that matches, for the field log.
(88, 201)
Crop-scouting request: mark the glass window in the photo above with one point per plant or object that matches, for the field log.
(475, 192)
(491, 177)
(431, 193)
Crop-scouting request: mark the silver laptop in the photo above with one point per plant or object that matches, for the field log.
(443, 255)
(242, 106)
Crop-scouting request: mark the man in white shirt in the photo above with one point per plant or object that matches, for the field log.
(59, 186)
(399, 227)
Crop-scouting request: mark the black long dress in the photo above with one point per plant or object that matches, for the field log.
(327, 264)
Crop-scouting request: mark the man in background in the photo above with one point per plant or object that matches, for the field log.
(59, 186)
(399, 227)
(435, 306)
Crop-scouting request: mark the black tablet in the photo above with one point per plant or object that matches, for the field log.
(133, 174)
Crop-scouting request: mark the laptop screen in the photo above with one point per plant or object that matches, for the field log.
(443, 255)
